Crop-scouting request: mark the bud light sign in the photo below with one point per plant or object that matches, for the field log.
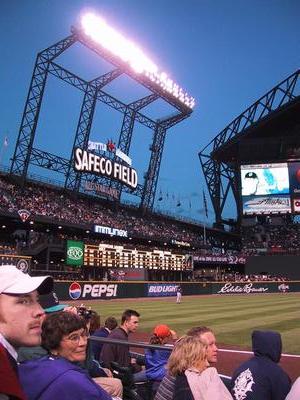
(162, 290)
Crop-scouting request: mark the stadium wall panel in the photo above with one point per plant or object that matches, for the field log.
(288, 266)
(85, 290)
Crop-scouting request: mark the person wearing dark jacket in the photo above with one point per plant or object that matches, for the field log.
(120, 353)
(261, 378)
(182, 390)
(109, 325)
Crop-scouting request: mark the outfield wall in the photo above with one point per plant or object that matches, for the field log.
(86, 290)
(274, 265)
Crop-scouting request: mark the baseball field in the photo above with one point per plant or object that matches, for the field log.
(231, 317)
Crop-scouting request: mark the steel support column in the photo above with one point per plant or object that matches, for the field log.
(82, 135)
(151, 175)
(24, 144)
(125, 137)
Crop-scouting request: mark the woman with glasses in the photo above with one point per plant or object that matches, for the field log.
(57, 376)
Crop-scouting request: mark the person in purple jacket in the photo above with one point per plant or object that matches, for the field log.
(57, 376)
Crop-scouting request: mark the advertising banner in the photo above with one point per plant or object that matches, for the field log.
(107, 230)
(21, 262)
(294, 176)
(97, 290)
(75, 252)
(233, 260)
(266, 205)
(81, 291)
(255, 287)
(161, 289)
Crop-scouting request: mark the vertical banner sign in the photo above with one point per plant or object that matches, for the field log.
(75, 251)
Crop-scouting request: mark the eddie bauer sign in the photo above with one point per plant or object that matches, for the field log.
(229, 288)
(97, 165)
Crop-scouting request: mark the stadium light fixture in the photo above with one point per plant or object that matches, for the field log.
(99, 31)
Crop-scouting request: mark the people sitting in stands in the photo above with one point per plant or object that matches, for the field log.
(188, 363)
(103, 377)
(205, 335)
(52, 203)
(20, 323)
(120, 353)
(156, 360)
(261, 378)
(109, 325)
(50, 304)
(57, 376)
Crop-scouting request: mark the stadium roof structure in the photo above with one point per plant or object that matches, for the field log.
(158, 85)
(267, 131)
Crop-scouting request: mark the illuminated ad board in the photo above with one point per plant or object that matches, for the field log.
(266, 188)
(75, 252)
(294, 176)
(86, 161)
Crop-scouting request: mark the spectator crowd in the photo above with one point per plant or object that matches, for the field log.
(60, 206)
(46, 353)
(271, 236)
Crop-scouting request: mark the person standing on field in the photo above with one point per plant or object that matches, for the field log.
(178, 294)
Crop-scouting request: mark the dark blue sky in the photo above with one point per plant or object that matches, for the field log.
(225, 53)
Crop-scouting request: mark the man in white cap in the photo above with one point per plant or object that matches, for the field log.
(20, 322)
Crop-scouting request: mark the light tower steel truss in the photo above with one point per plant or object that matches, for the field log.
(26, 154)
(221, 177)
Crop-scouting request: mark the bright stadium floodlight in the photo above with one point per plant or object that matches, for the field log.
(99, 31)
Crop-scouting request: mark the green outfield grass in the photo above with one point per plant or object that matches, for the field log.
(231, 317)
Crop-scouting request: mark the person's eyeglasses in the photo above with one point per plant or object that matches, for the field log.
(75, 338)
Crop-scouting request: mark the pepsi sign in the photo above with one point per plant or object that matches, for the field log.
(75, 291)
(91, 291)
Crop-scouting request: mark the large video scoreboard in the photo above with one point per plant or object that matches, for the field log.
(112, 256)
(271, 188)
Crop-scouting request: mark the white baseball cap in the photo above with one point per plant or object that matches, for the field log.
(14, 281)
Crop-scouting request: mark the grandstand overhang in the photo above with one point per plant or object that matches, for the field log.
(268, 130)
(270, 138)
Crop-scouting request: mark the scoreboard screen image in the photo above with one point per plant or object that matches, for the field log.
(270, 188)
(265, 179)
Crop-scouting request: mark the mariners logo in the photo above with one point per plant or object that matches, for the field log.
(243, 384)
(23, 266)
(75, 290)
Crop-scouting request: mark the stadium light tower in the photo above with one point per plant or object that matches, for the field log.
(94, 33)
(100, 32)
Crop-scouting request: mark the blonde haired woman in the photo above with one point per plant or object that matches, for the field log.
(194, 380)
